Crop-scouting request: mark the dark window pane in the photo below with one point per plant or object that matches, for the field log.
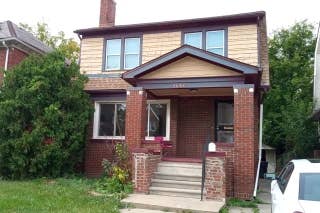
(157, 119)
(121, 118)
(106, 125)
(225, 136)
(225, 122)
(309, 188)
(225, 113)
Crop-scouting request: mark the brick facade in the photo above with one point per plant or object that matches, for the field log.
(215, 181)
(144, 165)
(15, 57)
(244, 141)
(196, 119)
(192, 120)
(135, 117)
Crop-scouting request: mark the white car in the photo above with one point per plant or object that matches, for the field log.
(297, 188)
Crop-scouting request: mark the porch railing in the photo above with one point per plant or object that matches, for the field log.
(204, 151)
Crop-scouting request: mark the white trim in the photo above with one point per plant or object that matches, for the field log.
(96, 120)
(131, 53)
(164, 101)
(106, 56)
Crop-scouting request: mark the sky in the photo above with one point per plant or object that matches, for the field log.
(69, 15)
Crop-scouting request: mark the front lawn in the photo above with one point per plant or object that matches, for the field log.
(57, 195)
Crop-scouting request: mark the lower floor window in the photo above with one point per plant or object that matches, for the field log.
(224, 122)
(158, 119)
(109, 119)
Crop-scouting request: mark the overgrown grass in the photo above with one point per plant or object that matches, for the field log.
(234, 202)
(56, 195)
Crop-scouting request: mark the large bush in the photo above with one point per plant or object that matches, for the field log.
(288, 105)
(44, 113)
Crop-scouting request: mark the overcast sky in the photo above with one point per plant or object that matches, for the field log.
(69, 15)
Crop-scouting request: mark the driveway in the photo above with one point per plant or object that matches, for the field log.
(263, 195)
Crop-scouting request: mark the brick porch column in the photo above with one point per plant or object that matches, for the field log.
(135, 117)
(215, 181)
(244, 141)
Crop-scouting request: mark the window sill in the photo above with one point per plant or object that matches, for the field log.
(152, 139)
(110, 138)
(224, 144)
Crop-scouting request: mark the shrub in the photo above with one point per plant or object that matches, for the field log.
(44, 113)
(117, 175)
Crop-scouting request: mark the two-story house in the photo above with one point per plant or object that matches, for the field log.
(185, 82)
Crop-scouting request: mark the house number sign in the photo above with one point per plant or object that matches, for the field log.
(179, 85)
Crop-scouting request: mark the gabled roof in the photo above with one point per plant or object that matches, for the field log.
(11, 32)
(186, 50)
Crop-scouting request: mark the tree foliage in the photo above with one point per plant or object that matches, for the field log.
(44, 113)
(68, 46)
(288, 105)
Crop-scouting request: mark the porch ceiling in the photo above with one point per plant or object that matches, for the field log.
(193, 92)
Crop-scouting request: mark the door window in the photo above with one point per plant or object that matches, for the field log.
(224, 122)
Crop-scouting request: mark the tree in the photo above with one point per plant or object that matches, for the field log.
(289, 102)
(44, 114)
(68, 46)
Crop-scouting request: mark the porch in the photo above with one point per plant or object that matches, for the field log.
(190, 97)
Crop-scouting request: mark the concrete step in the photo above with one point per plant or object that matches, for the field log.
(166, 176)
(191, 193)
(167, 204)
(178, 184)
(179, 168)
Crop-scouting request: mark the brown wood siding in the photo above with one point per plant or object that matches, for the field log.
(243, 43)
(91, 55)
(157, 44)
(189, 67)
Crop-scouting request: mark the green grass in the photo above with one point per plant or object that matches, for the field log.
(58, 195)
(234, 202)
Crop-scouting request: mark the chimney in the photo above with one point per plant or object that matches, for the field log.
(107, 13)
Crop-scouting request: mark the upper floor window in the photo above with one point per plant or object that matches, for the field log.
(122, 53)
(212, 41)
(193, 39)
(215, 42)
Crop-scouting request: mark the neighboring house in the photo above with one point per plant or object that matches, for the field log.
(188, 81)
(16, 44)
(316, 89)
(316, 81)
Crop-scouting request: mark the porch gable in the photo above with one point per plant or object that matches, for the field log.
(189, 67)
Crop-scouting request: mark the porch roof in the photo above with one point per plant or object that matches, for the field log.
(230, 71)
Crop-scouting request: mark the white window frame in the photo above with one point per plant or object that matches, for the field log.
(201, 38)
(216, 47)
(96, 120)
(124, 52)
(106, 58)
(167, 102)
